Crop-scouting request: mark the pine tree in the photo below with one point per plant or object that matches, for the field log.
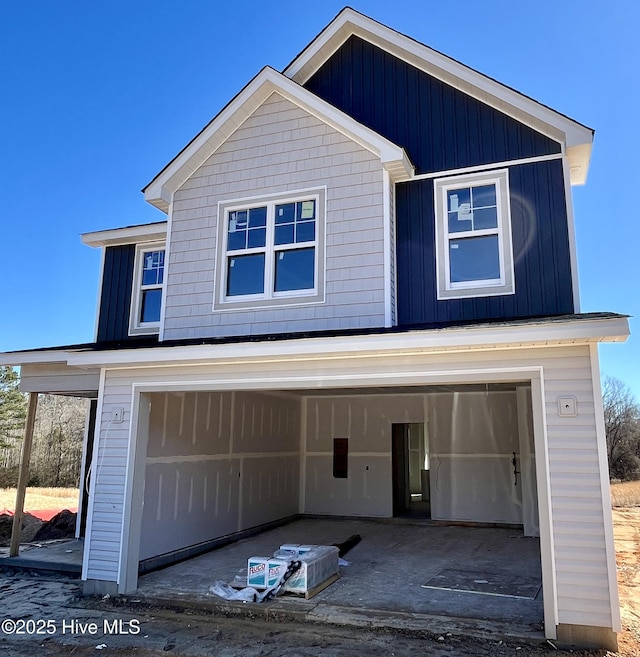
(13, 407)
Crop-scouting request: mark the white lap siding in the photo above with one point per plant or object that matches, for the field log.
(582, 554)
(108, 481)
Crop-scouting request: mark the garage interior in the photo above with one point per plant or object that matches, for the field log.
(222, 462)
(440, 479)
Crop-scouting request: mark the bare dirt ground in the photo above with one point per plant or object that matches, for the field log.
(166, 632)
(626, 527)
(76, 626)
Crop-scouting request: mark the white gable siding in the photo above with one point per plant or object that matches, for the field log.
(580, 548)
(280, 148)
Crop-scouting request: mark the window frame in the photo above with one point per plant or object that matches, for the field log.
(505, 284)
(269, 297)
(136, 325)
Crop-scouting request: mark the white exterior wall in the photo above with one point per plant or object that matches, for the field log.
(578, 545)
(280, 148)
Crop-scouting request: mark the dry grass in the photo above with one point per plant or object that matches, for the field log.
(40, 498)
(626, 494)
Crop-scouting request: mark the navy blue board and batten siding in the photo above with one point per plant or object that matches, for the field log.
(541, 257)
(115, 296)
(440, 127)
(443, 129)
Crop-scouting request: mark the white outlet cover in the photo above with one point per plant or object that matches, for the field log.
(567, 406)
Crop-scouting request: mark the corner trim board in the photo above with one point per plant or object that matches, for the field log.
(92, 486)
(387, 255)
(616, 621)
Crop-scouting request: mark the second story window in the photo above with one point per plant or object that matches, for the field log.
(148, 285)
(473, 236)
(151, 287)
(271, 251)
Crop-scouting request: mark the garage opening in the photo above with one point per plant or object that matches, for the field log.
(223, 465)
(220, 463)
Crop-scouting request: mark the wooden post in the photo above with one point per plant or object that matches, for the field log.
(23, 477)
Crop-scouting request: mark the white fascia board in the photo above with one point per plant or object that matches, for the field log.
(131, 235)
(160, 190)
(576, 138)
(437, 340)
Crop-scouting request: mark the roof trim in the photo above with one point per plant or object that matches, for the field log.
(577, 328)
(533, 333)
(160, 190)
(129, 235)
(576, 137)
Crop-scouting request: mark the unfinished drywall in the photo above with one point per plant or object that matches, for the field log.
(473, 440)
(366, 421)
(217, 462)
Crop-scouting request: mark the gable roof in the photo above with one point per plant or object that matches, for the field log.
(160, 190)
(576, 138)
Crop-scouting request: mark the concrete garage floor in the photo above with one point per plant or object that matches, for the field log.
(382, 586)
(60, 556)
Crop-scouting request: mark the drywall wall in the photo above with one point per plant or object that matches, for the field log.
(366, 421)
(473, 437)
(217, 462)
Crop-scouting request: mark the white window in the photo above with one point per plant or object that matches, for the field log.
(148, 285)
(271, 251)
(473, 236)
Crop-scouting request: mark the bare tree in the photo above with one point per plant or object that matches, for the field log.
(622, 424)
(57, 445)
(58, 436)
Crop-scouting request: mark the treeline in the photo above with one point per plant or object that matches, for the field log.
(622, 425)
(58, 434)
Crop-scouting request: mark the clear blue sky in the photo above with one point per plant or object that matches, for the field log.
(96, 97)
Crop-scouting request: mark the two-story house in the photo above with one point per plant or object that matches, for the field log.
(364, 292)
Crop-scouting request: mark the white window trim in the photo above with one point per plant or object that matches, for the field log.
(469, 289)
(136, 327)
(269, 298)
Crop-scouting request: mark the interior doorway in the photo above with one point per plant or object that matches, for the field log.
(410, 463)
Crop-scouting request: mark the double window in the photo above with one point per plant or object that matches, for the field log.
(148, 284)
(270, 249)
(473, 236)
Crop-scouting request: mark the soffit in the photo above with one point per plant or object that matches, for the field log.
(128, 235)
